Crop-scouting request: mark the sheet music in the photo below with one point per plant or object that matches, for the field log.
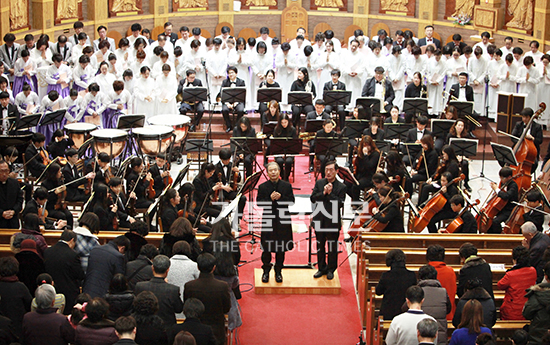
(434, 78)
(99, 57)
(479, 88)
(63, 77)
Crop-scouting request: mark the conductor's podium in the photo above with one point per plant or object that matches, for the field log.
(296, 281)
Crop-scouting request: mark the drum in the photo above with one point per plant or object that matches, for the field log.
(111, 141)
(79, 132)
(180, 123)
(153, 139)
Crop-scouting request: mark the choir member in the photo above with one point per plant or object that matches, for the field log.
(166, 92)
(374, 131)
(507, 75)
(455, 66)
(433, 184)
(425, 163)
(477, 70)
(76, 50)
(469, 225)
(240, 58)
(302, 84)
(123, 53)
(57, 75)
(216, 65)
(493, 68)
(71, 173)
(284, 129)
(436, 71)
(268, 82)
(236, 107)
(381, 88)
(138, 181)
(543, 89)
(119, 101)
(145, 93)
(94, 104)
(27, 101)
(41, 55)
(157, 69)
(82, 74)
(169, 213)
(11, 198)
(507, 190)
(24, 71)
(328, 62)
(204, 191)
(115, 67)
(261, 63)
(286, 66)
(140, 45)
(448, 190)
(535, 133)
(365, 166)
(388, 212)
(417, 62)
(484, 44)
(74, 104)
(336, 84)
(528, 77)
(55, 186)
(104, 79)
(397, 65)
(353, 69)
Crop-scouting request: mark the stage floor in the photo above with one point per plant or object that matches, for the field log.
(296, 281)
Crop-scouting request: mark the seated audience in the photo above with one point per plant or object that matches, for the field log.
(475, 290)
(19, 301)
(96, 328)
(435, 255)
(119, 297)
(471, 324)
(537, 307)
(193, 310)
(150, 327)
(473, 267)
(141, 269)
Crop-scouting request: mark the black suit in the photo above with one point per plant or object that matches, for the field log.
(329, 85)
(391, 217)
(11, 198)
(238, 108)
(536, 132)
(312, 115)
(159, 180)
(452, 45)
(226, 178)
(423, 42)
(168, 217)
(202, 333)
(369, 90)
(168, 295)
(63, 264)
(509, 193)
(12, 113)
(173, 37)
(298, 110)
(536, 217)
(455, 91)
(412, 134)
(73, 192)
(35, 164)
(32, 206)
(327, 229)
(188, 106)
(214, 294)
(141, 186)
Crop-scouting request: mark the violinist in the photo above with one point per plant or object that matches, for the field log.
(302, 84)
(532, 214)
(285, 129)
(272, 113)
(469, 225)
(268, 82)
(426, 163)
(451, 113)
(326, 132)
(187, 206)
(416, 89)
(245, 129)
(365, 165)
(118, 198)
(160, 171)
(36, 156)
(391, 214)
(535, 133)
(228, 174)
(356, 114)
(415, 134)
(56, 195)
(394, 117)
(395, 170)
(11, 155)
(169, 214)
(450, 164)
(379, 180)
(11, 199)
(71, 173)
(37, 206)
(336, 84)
(100, 166)
(104, 207)
(204, 190)
(59, 144)
(448, 190)
(459, 130)
(508, 191)
(138, 181)
(374, 131)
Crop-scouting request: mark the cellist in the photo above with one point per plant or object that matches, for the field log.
(535, 134)
(391, 216)
(425, 163)
(532, 214)
(448, 191)
(507, 190)
(228, 174)
(469, 225)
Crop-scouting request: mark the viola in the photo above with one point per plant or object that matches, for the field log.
(61, 204)
(458, 222)
(432, 207)
(419, 163)
(216, 196)
(42, 214)
(115, 218)
(151, 188)
(494, 205)
(88, 187)
(167, 179)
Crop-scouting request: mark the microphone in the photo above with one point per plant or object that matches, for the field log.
(487, 79)
(203, 61)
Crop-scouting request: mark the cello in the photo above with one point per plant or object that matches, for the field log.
(374, 225)
(494, 205)
(457, 223)
(363, 217)
(515, 221)
(526, 154)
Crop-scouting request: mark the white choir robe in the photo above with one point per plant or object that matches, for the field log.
(337, 44)
(414, 65)
(353, 63)
(185, 45)
(97, 104)
(132, 39)
(76, 53)
(168, 47)
(105, 82)
(136, 66)
(328, 62)
(477, 70)
(93, 62)
(83, 77)
(156, 71)
(508, 78)
(116, 69)
(316, 69)
(306, 42)
(529, 87)
(466, 59)
(19, 68)
(192, 61)
(124, 56)
(216, 65)
(36, 56)
(536, 56)
(453, 65)
(243, 72)
(493, 70)
(260, 65)
(74, 108)
(166, 89)
(543, 93)
(180, 67)
(113, 101)
(435, 73)
(251, 78)
(371, 61)
(482, 46)
(267, 42)
(129, 85)
(145, 87)
(506, 51)
(396, 73)
(285, 73)
(25, 103)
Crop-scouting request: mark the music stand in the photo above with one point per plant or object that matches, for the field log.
(346, 175)
(269, 128)
(396, 131)
(411, 149)
(440, 128)
(417, 106)
(371, 104)
(181, 175)
(55, 117)
(247, 145)
(269, 94)
(355, 128)
(28, 121)
(192, 95)
(233, 95)
(463, 108)
(336, 97)
(331, 146)
(300, 98)
(464, 147)
(285, 147)
(199, 145)
(504, 154)
(248, 187)
(312, 126)
(383, 146)
(129, 122)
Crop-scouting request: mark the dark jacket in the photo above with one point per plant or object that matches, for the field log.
(228, 83)
(319, 199)
(487, 303)
(475, 267)
(470, 224)
(312, 115)
(391, 217)
(13, 113)
(168, 242)
(413, 91)
(183, 84)
(18, 303)
(461, 45)
(537, 309)
(35, 164)
(12, 199)
(369, 90)
(537, 246)
(422, 42)
(223, 242)
(139, 270)
(95, 333)
(103, 263)
(151, 330)
(30, 266)
(411, 134)
(535, 217)
(46, 327)
(159, 180)
(63, 264)
(536, 132)
(214, 294)
(393, 284)
(202, 333)
(168, 296)
(69, 175)
(329, 85)
(455, 91)
(136, 242)
(120, 304)
(509, 193)
(168, 216)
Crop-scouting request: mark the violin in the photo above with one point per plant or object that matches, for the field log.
(108, 175)
(115, 218)
(432, 207)
(61, 204)
(88, 187)
(167, 179)
(363, 217)
(419, 163)
(235, 174)
(494, 205)
(45, 157)
(216, 196)
(458, 222)
(42, 214)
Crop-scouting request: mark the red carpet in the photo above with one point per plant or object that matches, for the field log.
(296, 319)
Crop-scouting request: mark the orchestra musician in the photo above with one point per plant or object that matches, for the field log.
(508, 191)
(169, 214)
(36, 156)
(391, 215)
(244, 129)
(327, 196)
(59, 144)
(356, 114)
(381, 88)
(451, 113)
(100, 166)
(448, 190)
(204, 190)
(103, 206)
(37, 206)
(270, 115)
(326, 132)
(268, 82)
(8, 113)
(532, 214)
(160, 171)
(284, 129)
(11, 155)
(238, 107)
(394, 116)
(71, 173)
(56, 195)
(449, 164)
(118, 198)
(187, 207)
(191, 81)
(275, 196)
(226, 171)
(336, 84)
(462, 91)
(374, 131)
(395, 170)
(138, 181)
(469, 225)
(459, 130)
(379, 180)
(426, 163)
(535, 133)
(415, 135)
(415, 90)
(11, 198)
(365, 166)
(302, 84)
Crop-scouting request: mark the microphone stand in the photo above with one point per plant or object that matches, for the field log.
(208, 135)
(482, 174)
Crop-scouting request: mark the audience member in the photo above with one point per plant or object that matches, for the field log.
(394, 284)
(485, 339)
(86, 239)
(120, 298)
(426, 331)
(138, 230)
(515, 282)
(470, 326)
(96, 329)
(537, 308)
(226, 271)
(475, 290)
(141, 269)
(30, 264)
(180, 230)
(435, 255)
(184, 338)
(78, 313)
(168, 295)
(473, 267)
(520, 337)
(59, 303)
(151, 329)
(193, 310)
(182, 269)
(125, 329)
(222, 239)
(16, 298)
(536, 242)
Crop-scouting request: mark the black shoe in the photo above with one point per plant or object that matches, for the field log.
(330, 275)
(278, 277)
(265, 277)
(319, 274)
(229, 129)
(310, 169)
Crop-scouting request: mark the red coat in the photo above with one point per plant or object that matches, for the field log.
(515, 282)
(447, 277)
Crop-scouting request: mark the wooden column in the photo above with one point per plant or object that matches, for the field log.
(427, 14)
(361, 9)
(541, 22)
(43, 16)
(161, 11)
(98, 11)
(225, 12)
(4, 17)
